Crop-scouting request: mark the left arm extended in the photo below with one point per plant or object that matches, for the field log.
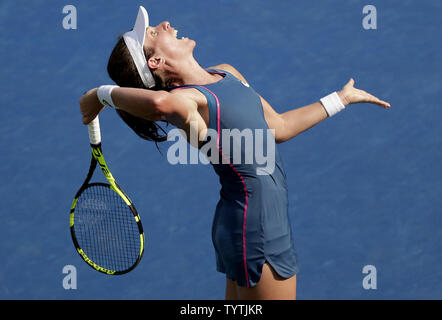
(293, 122)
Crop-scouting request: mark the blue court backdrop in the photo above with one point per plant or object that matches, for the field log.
(365, 187)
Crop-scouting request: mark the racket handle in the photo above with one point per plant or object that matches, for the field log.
(94, 131)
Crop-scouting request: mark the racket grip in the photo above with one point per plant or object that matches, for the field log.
(94, 131)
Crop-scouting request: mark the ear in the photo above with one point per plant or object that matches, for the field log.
(155, 62)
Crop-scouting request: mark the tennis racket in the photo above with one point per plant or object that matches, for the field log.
(105, 226)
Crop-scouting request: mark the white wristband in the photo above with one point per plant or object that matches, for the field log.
(104, 95)
(332, 104)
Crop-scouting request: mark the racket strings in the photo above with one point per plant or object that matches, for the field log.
(106, 229)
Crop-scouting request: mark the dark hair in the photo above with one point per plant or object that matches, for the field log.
(123, 72)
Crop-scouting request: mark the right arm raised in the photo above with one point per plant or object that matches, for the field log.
(142, 103)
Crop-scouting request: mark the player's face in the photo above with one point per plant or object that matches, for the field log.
(163, 39)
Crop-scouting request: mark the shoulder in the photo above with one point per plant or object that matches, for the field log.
(176, 102)
(231, 69)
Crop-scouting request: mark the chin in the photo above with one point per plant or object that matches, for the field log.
(190, 43)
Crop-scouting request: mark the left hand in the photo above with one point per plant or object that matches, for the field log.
(349, 95)
(90, 106)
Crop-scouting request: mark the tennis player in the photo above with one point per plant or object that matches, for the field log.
(251, 230)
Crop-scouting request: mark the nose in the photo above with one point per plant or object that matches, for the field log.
(165, 25)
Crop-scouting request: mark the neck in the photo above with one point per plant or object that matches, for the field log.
(189, 72)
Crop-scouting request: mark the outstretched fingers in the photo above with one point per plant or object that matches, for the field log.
(372, 99)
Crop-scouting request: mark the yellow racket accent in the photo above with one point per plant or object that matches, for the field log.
(98, 155)
(94, 265)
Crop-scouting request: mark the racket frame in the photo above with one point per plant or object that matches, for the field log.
(98, 158)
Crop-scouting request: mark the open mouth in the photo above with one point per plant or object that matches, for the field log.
(176, 35)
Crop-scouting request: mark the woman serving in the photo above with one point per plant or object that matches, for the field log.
(159, 80)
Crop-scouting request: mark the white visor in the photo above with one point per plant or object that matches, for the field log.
(134, 41)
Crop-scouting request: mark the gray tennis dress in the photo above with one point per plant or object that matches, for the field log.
(251, 223)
